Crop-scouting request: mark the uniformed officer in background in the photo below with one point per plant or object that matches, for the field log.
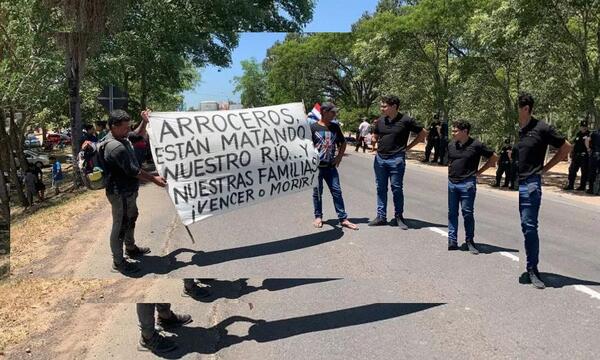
(433, 140)
(504, 165)
(580, 158)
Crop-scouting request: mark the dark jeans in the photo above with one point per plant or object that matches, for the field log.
(392, 171)
(503, 169)
(530, 200)
(579, 161)
(332, 178)
(124, 216)
(360, 142)
(461, 195)
(145, 313)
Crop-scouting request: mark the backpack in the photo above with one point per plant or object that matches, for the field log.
(92, 165)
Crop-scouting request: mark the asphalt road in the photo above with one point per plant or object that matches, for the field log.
(376, 293)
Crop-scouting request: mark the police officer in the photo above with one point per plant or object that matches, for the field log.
(443, 159)
(433, 140)
(593, 145)
(504, 165)
(534, 137)
(579, 158)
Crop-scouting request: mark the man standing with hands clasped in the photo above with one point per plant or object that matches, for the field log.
(327, 136)
(122, 175)
(534, 137)
(391, 132)
(464, 154)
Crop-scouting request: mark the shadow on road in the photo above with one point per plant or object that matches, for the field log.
(209, 341)
(491, 249)
(336, 222)
(419, 224)
(557, 281)
(227, 289)
(151, 264)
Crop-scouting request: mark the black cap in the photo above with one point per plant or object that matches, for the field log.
(328, 106)
(583, 123)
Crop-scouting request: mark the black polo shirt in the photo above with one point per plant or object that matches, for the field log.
(121, 166)
(534, 139)
(393, 134)
(579, 142)
(463, 160)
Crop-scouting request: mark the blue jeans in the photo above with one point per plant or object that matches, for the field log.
(392, 170)
(530, 199)
(461, 194)
(332, 178)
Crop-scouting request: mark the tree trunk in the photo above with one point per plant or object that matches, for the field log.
(144, 91)
(16, 141)
(73, 79)
(12, 165)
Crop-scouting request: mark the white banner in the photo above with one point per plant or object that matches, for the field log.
(218, 161)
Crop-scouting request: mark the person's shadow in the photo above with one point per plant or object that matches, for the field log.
(211, 340)
(417, 224)
(557, 281)
(489, 249)
(152, 264)
(235, 289)
(335, 222)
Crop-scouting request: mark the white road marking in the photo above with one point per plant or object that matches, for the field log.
(436, 230)
(509, 255)
(587, 290)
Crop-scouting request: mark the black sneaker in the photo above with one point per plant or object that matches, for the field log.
(581, 188)
(158, 344)
(378, 221)
(401, 223)
(453, 247)
(175, 321)
(137, 251)
(536, 280)
(589, 191)
(568, 187)
(125, 267)
(195, 292)
(472, 248)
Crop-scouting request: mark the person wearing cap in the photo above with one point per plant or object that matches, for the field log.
(391, 132)
(433, 140)
(593, 145)
(464, 155)
(504, 165)
(580, 158)
(534, 137)
(363, 132)
(327, 137)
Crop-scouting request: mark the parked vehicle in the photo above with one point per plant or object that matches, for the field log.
(32, 141)
(56, 139)
(35, 158)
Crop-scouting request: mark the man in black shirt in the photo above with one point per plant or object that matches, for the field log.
(504, 166)
(464, 154)
(391, 131)
(579, 158)
(593, 145)
(122, 178)
(534, 138)
(433, 140)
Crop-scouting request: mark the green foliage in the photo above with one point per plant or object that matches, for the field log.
(252, 84)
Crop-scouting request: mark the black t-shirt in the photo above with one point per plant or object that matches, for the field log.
(504, 158)
(326, 139)
(579, 142)
(463, 160)
(120, 165)
(393, 134)
(595, 141)
(534, 139)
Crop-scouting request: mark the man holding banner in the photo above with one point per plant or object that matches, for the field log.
(327, 136)
(122, 174)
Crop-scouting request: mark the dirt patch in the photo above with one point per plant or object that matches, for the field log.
(31, 306)
(35, 236)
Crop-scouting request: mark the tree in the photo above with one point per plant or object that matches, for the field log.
(252, 84)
